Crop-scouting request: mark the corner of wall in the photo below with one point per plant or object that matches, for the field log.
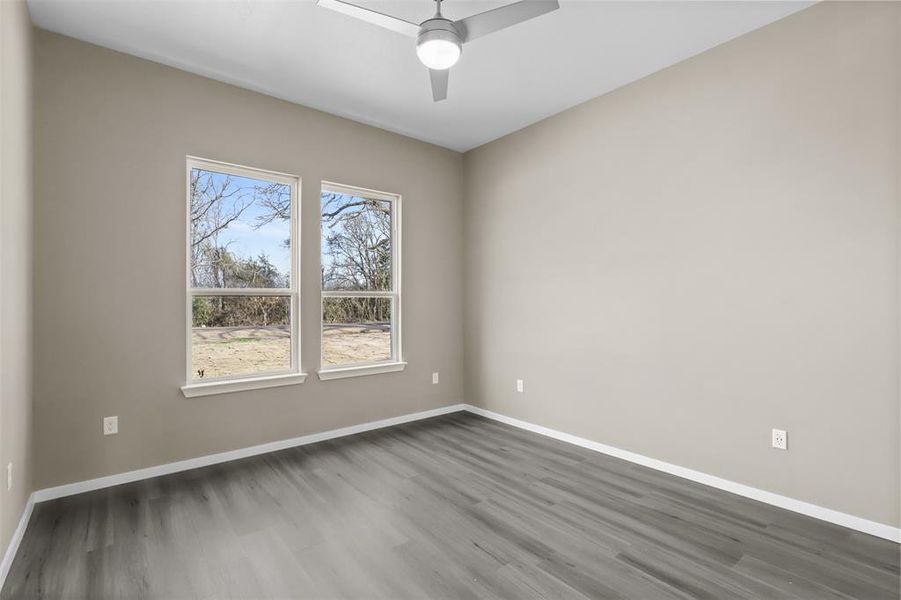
(16, 240)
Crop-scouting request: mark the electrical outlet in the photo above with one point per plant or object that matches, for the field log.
(519, 385)
(110, 425)
(435, 378)
(780, 439)
(9, 477)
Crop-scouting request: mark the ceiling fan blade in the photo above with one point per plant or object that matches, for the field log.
(439, 84)
(371, 16)
(493, 20)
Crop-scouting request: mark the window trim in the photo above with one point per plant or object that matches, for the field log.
(244, 381)
(396, 362)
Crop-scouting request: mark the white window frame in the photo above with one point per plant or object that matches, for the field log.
(396, 362)
(225, 384)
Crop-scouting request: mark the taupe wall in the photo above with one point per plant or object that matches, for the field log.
(15, 261)
(674, 268)
(679, 266)
(111, 136)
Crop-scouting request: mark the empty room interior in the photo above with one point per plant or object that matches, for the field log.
(461, 299)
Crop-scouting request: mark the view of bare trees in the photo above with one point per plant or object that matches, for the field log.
(356, 249)
(220, 201)
(229, 217)
(356, 257)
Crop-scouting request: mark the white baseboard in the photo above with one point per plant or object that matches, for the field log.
(212, 459)
(16, 539)
(805, 508)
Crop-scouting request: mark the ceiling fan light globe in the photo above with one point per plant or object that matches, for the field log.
(438, 54)
(438, 49)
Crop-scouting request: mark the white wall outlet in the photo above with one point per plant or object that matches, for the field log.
(780, 439)
(110, 425)
(519, 385)
(435, 378)
(9, 477)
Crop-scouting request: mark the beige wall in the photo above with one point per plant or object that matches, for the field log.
(111, 136)
(15, 261)
(679, 266)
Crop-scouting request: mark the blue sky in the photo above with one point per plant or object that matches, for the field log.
(246, 239)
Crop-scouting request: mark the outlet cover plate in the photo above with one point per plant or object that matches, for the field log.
(110, 425)
(780, 439)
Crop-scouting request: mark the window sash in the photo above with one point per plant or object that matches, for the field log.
(294, 182)
(394, 293)
(357, 294)
(242, 292)
(294, 329)
(395, 331)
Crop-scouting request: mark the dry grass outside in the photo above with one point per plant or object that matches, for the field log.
(221, 351)
(344, 344)
(226, 351)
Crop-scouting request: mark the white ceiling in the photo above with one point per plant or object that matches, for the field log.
(305, 54)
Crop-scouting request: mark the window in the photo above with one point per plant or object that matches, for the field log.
(242, 278)
(360, 269)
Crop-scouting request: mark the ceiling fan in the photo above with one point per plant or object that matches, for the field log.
(439, 41)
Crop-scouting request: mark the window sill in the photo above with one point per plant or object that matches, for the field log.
(193, 390)
(359, 371)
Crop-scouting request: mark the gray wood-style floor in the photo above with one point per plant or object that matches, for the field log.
(452, 507)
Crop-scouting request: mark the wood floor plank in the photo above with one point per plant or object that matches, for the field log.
(452, 507)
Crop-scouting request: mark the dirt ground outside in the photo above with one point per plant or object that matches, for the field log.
(222, 351)
(344, 344)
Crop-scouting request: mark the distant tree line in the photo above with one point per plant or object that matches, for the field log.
(241, 311)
